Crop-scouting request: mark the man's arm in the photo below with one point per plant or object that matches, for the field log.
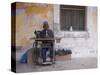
(51, 34)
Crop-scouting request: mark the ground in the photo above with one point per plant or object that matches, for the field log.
(75, 63)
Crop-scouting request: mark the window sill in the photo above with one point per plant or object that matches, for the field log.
(72, 34)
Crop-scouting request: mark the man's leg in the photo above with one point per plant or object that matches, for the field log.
(51, 54)
(44, 54)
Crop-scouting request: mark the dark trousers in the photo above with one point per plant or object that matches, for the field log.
(44, 51)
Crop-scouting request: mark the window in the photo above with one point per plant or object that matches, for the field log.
(72, 17)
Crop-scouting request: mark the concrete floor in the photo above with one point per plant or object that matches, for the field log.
(76, 63)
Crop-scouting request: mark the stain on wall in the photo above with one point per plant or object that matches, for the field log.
(30, 17)
(94, 14)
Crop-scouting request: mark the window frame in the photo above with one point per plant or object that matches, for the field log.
(73, 7)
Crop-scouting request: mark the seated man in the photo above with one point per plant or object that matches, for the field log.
(48, 44)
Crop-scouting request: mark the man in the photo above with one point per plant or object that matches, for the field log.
(47, 45)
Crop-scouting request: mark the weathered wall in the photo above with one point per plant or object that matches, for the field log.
(83, 43)
(30, 17)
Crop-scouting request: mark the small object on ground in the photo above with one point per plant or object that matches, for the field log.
(23, 59)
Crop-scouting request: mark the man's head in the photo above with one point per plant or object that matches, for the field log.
(45, 25)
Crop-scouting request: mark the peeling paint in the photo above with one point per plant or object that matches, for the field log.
(30, 17)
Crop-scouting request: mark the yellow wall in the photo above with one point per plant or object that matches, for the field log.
(29, 17)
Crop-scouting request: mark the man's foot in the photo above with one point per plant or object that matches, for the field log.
(44, 63)
(47, 63)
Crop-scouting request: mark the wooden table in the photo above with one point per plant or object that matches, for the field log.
(46, 39)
